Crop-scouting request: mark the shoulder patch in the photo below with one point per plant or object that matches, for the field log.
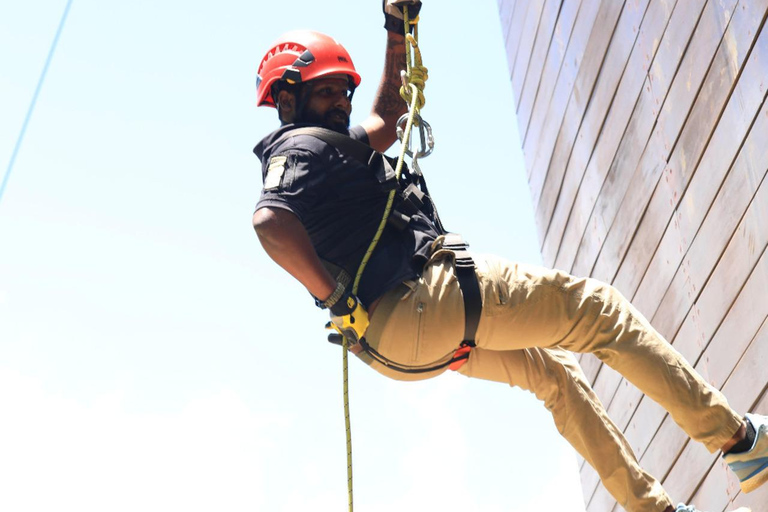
(275, 172)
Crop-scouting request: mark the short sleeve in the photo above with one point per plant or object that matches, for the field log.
(293, 180)
(358, 133)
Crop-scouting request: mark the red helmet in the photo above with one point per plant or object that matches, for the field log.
(299, 56)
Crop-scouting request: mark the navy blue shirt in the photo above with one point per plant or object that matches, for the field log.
(340, 203)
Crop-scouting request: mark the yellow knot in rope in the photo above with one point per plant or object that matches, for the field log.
(416, 75)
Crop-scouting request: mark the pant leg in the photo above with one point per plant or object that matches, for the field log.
(527, 306)
(555, 377)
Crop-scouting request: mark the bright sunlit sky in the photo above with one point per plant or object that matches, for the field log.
(151, 356)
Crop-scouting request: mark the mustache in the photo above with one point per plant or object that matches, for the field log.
(335, 111)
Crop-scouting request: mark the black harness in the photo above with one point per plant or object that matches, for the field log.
(414, 196)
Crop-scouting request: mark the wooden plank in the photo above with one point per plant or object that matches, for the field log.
(664, 145)
(558, 73)
(585, 227)
(630, 394)
(589, 481)
(667, 445)
(603, 386)
(539, 145)
(625, 401)
(747, 243)
(629, 124)
(662, 71)
(525, 48)
(544, 37)
(593, 65)
(583, 182)
(644, 424)
(747, 313)
(601, 500)
(743, 323)
(607, 382)
(514, 32)
(686, 475)
(591, 366)
(622, 406)
(627, 394)
(739, 259)
(724, 218)
(715, 492)
(572, 151)
(749, 379)
(746, 317)
(559, 154)
(734, 334)
(739, 327)
(643, 54)
(506, 9)
(756, 499)
(732, 128)
(647, 162)
(743, 388)
(635, 199)
(552, 65)
(695, 133)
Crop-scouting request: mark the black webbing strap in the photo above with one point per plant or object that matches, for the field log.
(358, 150)
(470, 288)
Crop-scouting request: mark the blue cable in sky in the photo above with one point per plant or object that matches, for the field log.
(34, 99)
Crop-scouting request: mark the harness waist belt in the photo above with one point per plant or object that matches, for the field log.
(473, 307)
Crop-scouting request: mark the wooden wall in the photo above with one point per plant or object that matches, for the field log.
(645, 133)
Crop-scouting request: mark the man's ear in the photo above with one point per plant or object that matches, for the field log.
(286, 106)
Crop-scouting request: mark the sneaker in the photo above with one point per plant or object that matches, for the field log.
(682, 507)
(752, 466)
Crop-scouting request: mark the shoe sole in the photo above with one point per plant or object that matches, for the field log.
(755, 482)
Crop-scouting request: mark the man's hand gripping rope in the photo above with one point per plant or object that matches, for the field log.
(349, 318)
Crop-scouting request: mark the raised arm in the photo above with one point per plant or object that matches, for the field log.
(388, 106)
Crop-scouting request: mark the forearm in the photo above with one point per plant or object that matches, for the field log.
(286, 241)
(388, 106)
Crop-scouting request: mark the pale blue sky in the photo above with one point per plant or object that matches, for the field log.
(151, 356)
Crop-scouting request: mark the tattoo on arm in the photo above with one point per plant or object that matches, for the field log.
(388, 101)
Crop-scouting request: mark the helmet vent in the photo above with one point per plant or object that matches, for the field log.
(279, 49)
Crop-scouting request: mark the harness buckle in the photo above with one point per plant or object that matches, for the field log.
(460, 357)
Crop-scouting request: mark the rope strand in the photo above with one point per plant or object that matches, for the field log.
(416, 75)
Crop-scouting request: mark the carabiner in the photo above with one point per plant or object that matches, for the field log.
(426, 138)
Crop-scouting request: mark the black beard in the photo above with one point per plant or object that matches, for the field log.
(328, 120)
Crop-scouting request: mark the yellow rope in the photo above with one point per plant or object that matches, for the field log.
(413, 95)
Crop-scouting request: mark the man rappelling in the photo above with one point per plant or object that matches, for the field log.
(361, 233)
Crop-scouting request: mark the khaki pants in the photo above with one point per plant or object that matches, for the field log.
(531, 318)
